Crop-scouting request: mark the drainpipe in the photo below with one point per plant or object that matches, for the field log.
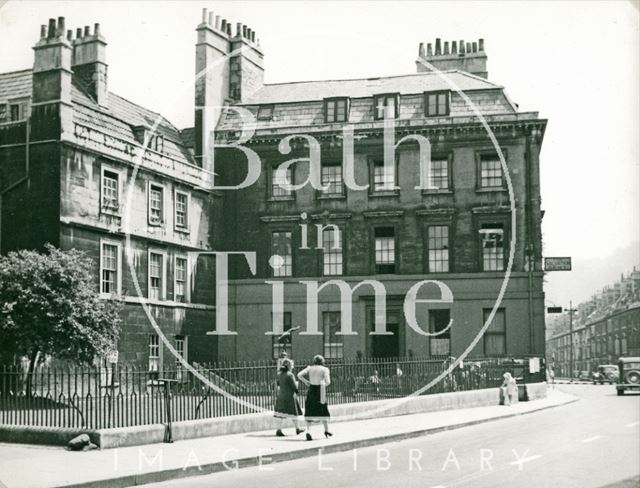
(21, 180)
(529, 247)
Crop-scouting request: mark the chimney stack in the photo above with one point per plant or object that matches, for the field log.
(222, 78)
(89, 63)
(51, 86)
(469, 57)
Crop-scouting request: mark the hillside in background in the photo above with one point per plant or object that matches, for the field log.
(590, 275)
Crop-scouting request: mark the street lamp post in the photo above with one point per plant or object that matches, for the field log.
(571, 310)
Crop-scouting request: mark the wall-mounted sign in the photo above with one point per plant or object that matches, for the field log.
(557, 264)
(554, 309)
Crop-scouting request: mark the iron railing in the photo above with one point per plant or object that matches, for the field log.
(121, 396)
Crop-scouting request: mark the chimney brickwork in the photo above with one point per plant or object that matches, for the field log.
(470, 57)
(51, 108)
(228, 70)
(89, 63)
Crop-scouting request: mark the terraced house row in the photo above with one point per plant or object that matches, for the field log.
(371, 220)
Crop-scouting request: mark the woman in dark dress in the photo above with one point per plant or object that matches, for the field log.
(318, 378)
(287, 406)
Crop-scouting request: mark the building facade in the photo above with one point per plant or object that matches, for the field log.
(605, 328)
(82, 166)
(458, 231)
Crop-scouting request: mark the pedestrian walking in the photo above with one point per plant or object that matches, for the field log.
(509, 389)
(317, 377)
(287, 406)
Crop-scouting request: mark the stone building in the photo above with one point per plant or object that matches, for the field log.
(605, 327)
(459, 231)
(82, 167)
(69, 151)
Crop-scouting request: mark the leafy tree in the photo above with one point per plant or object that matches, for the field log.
(49, 305)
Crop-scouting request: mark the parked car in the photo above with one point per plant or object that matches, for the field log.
(584, 375)
(605, 373)
(629, 376)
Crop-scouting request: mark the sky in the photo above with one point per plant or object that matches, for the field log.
(574, 62)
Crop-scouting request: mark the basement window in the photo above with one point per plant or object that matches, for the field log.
(265, 112)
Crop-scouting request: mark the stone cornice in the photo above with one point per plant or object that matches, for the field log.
(372, 214)
(506, 125)
(269, 219)
(436, 212)
(332, 216)
(493, 209)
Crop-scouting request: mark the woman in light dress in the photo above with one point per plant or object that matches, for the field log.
(317, 378)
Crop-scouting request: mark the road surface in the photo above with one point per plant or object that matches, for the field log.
(594, 442)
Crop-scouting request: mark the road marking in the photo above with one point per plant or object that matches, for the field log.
(632, 424)
(591, 439)
(525, 460)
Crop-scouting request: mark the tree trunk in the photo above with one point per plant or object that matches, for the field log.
(33, 357)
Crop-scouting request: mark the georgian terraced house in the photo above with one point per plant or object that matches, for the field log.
(68, 149)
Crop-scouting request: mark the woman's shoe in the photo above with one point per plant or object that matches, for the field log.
(327, 434)
(299, 431)
(309, 438)
(279, 433)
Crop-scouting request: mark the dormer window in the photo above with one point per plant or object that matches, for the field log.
(386, 106)
(265, 112)
(18, 111)
(336, 110)
(157, 143)
(436, 104)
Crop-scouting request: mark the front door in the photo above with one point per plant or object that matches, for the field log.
(385, 346)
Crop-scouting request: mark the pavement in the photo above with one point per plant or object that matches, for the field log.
(32, 466)
(591, 443)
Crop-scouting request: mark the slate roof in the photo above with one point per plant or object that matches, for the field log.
(189, 137)
(16, 84)
(414, 83)
(117, 120)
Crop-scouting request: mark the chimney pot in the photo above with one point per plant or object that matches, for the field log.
(421, 50)
(461, 46)
(217, 24)
(43, 31)
(204, 15)
(438, 50)
(249, 33)
(69, 35)
(454, 47)
(79, 33)
(212, 18)
(96, 29)
(244, 31)
(474, 46)
(87, 31)
(52, 29)
(429, 50)
(229, 29)
(238, 29)
(468, 47)
(446, 47)
(480, 44)
(253, 36)
(224, 25)
(60, 31)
